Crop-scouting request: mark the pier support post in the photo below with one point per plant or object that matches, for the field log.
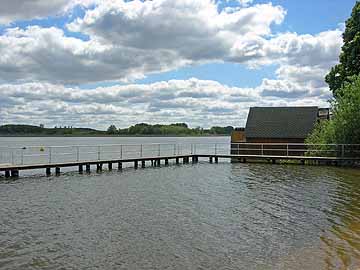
(273, 161)
(7, 174)
(302, 162)
(166, 162)
(99, 167)
(15, 173)
(136, 164)
(143, 164)
(57, 170)
(177, 161)
(158, 162)
(110, 166)
(87, 168)
(184, 160)
(244, 160)
(48, 171)
(216, 160)
(120, 166)
(210, 159)
(81, 169)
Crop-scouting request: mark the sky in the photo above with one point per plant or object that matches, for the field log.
(94, 63)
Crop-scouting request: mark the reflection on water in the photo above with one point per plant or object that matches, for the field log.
(203, 216)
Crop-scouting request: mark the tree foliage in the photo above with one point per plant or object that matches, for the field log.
(181, 129)
(112, 130)
(350, 55)
(344, 127)
(29, 130)
(344, 82)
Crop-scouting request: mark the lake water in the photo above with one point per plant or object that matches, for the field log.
(63, 141)
(195, 216)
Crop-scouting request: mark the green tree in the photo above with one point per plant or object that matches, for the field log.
(112, 130)
(344, 127)
(350, 55)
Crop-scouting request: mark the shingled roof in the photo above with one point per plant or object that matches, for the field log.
(281, 122)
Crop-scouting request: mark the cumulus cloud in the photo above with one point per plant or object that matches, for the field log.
(321, 50)
(46, 54)
(13, 10)
(198, 102)
(129, 40)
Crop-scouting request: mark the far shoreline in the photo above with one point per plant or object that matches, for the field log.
(110, 136)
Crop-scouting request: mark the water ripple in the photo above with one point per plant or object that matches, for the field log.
(204, 216)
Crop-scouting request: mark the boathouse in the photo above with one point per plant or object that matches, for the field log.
(279, 124)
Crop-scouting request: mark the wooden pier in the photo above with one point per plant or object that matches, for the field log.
(53, 158)
(13, 170)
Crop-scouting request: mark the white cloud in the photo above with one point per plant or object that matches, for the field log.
(46, 54)
(130, 40)
(194, 101)
(13, 10)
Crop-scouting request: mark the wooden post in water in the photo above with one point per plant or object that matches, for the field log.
(87, 167)
(81, 169)
(48, 171)
(143, 164)
(177, 160)
(119, 166)
(136, 164)
(110, 166)
(15, 173)
(210, 159)
(99, 167)
(216, 160)
(166, 162)
(57, 170)
(7, 174)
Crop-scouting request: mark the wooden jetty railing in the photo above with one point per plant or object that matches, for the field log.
(14, 159)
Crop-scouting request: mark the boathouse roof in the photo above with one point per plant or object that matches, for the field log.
(281, 122)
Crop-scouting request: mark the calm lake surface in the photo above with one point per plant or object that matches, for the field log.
(201, 216)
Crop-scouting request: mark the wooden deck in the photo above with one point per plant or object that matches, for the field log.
(13, 170)
(276, 157)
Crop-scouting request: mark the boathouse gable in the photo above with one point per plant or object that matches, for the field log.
(280, 124)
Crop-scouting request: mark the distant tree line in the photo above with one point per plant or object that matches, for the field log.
(29, 130)
(177, 129)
